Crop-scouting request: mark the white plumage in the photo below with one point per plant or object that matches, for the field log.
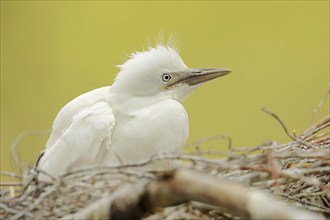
(138, 116)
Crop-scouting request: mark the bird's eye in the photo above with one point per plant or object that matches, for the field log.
(166, 77)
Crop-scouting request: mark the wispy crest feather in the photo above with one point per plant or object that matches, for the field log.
(160, 48)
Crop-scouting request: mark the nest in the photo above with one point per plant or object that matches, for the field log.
(296, 173)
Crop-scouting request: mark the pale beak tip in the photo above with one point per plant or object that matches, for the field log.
(227, 71)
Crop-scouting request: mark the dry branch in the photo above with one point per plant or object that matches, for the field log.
(185, 185)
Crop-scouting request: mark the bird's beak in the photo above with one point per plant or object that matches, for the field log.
(196, 76)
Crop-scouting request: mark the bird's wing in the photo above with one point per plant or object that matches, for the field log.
(82, 127)
(65, 117)
(82, 142)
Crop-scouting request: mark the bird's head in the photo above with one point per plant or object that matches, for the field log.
(161, 72)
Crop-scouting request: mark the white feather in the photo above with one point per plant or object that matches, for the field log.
(130, 121)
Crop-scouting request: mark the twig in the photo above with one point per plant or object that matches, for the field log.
(320, 154)
(10, 184)
(15, 144)
(286, 129)
(10, 174)
(37, 201)
(323, 123)
(307, 203)
(321, 102)
(201, 141)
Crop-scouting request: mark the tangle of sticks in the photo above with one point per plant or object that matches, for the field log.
(274, 181)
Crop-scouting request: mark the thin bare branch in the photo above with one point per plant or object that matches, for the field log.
(286, 129)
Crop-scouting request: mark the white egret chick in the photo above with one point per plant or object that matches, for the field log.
(137, 117)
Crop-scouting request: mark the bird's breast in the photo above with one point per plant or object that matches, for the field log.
(161, 127)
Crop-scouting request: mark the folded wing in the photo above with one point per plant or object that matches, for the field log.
(78, 139)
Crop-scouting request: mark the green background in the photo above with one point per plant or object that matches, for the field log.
(278, 51)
